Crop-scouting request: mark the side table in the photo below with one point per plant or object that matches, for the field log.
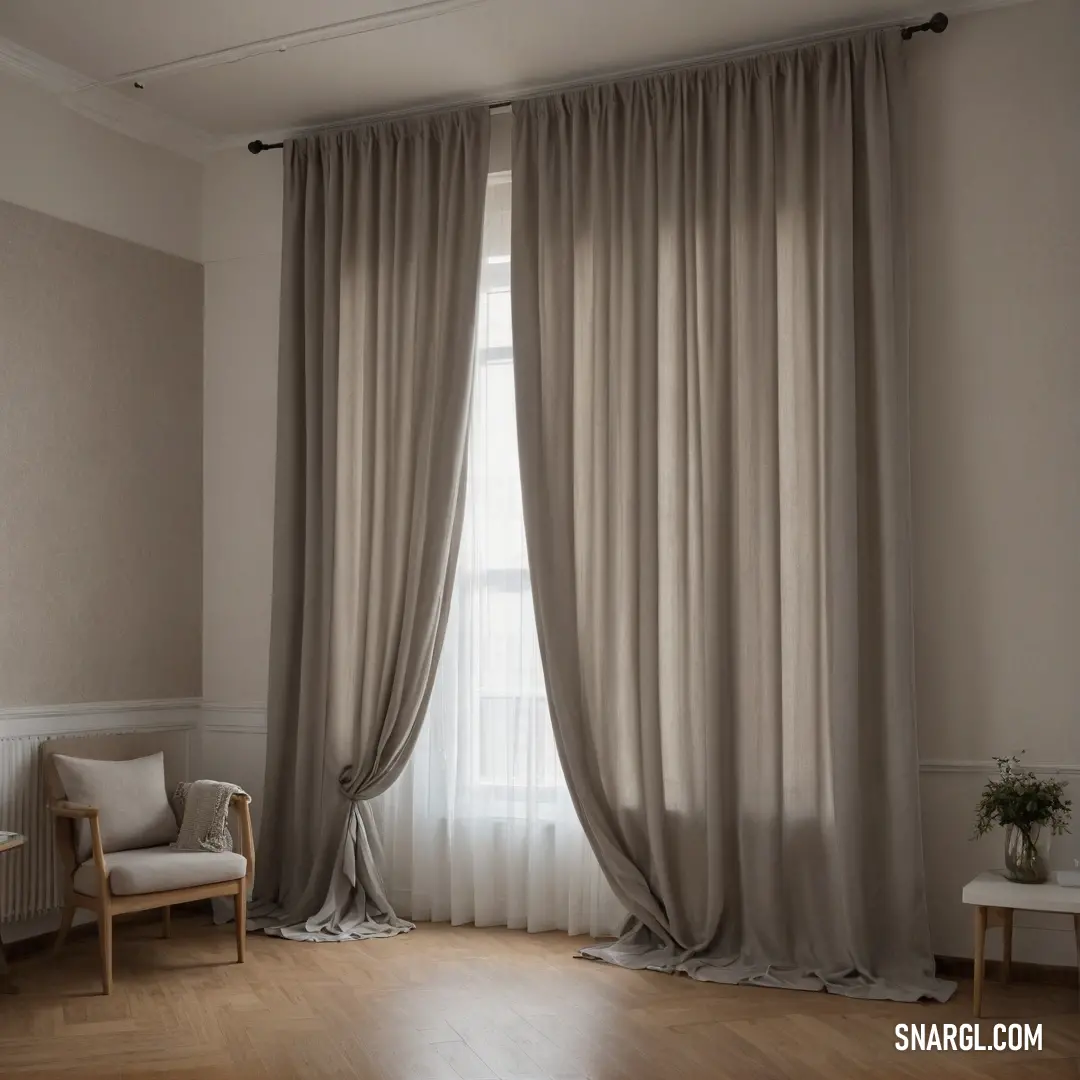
(995, 898)
(9, 841)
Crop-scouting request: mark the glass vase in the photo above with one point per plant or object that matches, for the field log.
(1027, 853)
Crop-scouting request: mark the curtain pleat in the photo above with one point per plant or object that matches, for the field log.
(710, 309)
(380, 263)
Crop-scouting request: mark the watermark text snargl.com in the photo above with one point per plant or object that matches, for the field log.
(965, 1037)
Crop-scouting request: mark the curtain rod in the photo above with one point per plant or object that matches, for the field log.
(936, 24)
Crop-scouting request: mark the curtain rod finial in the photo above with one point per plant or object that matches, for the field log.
(936, 24)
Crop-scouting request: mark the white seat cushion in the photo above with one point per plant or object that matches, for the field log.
(157, 869)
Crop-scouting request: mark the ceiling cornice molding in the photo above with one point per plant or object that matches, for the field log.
(511, 94)
(105, 106)
(96, 100)
(42, 72)
(140, 121)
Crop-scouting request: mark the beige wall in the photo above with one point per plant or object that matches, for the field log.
(996, 429)
(100, 411)
(242, 255)
(100, 466)
(996, 383)
(100, 440)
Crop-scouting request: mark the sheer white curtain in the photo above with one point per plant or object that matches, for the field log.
(480, 827)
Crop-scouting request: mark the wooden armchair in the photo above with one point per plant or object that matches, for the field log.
(144, 878)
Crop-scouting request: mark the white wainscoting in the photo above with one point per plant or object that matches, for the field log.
(29, 876)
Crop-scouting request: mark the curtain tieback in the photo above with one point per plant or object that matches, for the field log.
(350, 784)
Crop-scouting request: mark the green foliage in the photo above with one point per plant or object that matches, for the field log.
(1020, 798)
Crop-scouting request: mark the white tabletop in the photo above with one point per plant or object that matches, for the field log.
(993, 889)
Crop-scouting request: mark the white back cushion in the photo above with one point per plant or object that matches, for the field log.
(133, 805)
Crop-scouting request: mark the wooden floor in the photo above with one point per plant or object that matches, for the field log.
(466, 1004)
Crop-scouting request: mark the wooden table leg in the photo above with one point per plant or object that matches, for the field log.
(1006, 944)
(980, 958)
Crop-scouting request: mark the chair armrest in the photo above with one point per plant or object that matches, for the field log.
(62, 808)
(242, 805)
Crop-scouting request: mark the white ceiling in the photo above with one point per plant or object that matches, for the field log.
(237, 69)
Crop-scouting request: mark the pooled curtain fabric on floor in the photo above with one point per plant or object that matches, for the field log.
(710, 346)
(380, 263)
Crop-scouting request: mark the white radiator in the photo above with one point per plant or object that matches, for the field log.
(29, 876)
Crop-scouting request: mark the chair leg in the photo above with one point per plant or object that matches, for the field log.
(240, 902)
(166, 921)
(105, 940)
(67, 917)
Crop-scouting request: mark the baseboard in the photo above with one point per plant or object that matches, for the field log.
(963, 967)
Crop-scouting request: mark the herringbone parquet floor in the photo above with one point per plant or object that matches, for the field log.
(465, 1004)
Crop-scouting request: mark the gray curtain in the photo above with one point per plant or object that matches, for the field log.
(710, 343)
(380, 266)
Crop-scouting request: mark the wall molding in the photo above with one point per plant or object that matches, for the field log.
(138, 120)
(40, 70)
(105, 106)
(249, 718)
(19, 721)
(988, 767)
(75, 718)
(78, 707)
(219, 717)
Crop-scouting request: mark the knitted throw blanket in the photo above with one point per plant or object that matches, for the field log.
(203, 807)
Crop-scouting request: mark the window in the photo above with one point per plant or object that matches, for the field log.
(480, 826)
(513, 750)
